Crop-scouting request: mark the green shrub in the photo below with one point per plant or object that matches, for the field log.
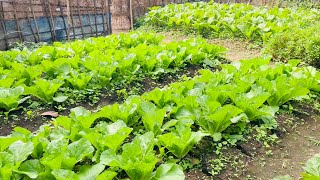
(313, 49)
(303, 44)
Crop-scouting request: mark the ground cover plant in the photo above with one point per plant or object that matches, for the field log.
(296, 44)
(52, 73)
(230, 20)
(134, 139)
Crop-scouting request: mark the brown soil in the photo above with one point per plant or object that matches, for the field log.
(237, 49)
(298, 145)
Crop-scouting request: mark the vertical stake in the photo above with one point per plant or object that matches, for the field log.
(109, 17)
(103, 16)
(80, 18)
(52, 22)
(95, 16)
(72, 22)
(4, 26)
(68, 17)
(16, 20)
(29, 22)
(131, 14)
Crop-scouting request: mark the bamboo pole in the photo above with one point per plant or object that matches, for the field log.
(52, 22)
(29, 22)
(109, 14)
(131, 14)
(72, 22)
(95, 16)
(103, 16)
(16, 20)
(35, 21)
(62, 16)
(80, 19)
(47, 16)
(68, 18)
(4, 26)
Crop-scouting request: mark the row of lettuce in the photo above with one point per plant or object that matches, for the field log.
(95, 63)
(230, 20)
(133, 138)
(286, 33)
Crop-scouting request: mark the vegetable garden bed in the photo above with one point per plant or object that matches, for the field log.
(161, 126)
(140, 107)
(97, 68)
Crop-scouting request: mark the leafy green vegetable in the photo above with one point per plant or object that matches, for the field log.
(10, 98)
(31, 168)
(218, 121)
(180, 141)
(137, 159)
(152, 117)
(80, 149)
(167, 172)
(44, 89)
(104, 135)
(312, 168)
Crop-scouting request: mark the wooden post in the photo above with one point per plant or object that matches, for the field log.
(103, 16)
(62, 16)
(47, 16)
(29, 22)
(52, 22)
(16, 20)
(80, 19)
(68, 18)
(35, 21)
(95, 16)
(131, 14)
(4, 26)
(72, 22)
(109, 14)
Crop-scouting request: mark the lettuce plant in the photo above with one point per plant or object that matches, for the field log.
(222, 117)
(181, 140)
(44, 89)
(137, 158)
(10, 98)
(312, 168)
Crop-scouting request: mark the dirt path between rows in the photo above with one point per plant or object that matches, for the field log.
(236, 49)
(290, 155)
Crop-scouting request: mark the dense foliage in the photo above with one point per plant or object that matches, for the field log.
(133, 137)
(299, 43)
(95, 63)
(230, 20)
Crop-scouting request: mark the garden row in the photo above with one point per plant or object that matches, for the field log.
(52, 73)
(230, 20)
(132, 139)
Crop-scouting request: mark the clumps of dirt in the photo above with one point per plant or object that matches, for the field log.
(22, 120)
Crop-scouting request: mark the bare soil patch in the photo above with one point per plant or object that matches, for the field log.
(237, 49)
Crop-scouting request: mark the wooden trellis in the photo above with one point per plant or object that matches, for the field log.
(52, 20)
